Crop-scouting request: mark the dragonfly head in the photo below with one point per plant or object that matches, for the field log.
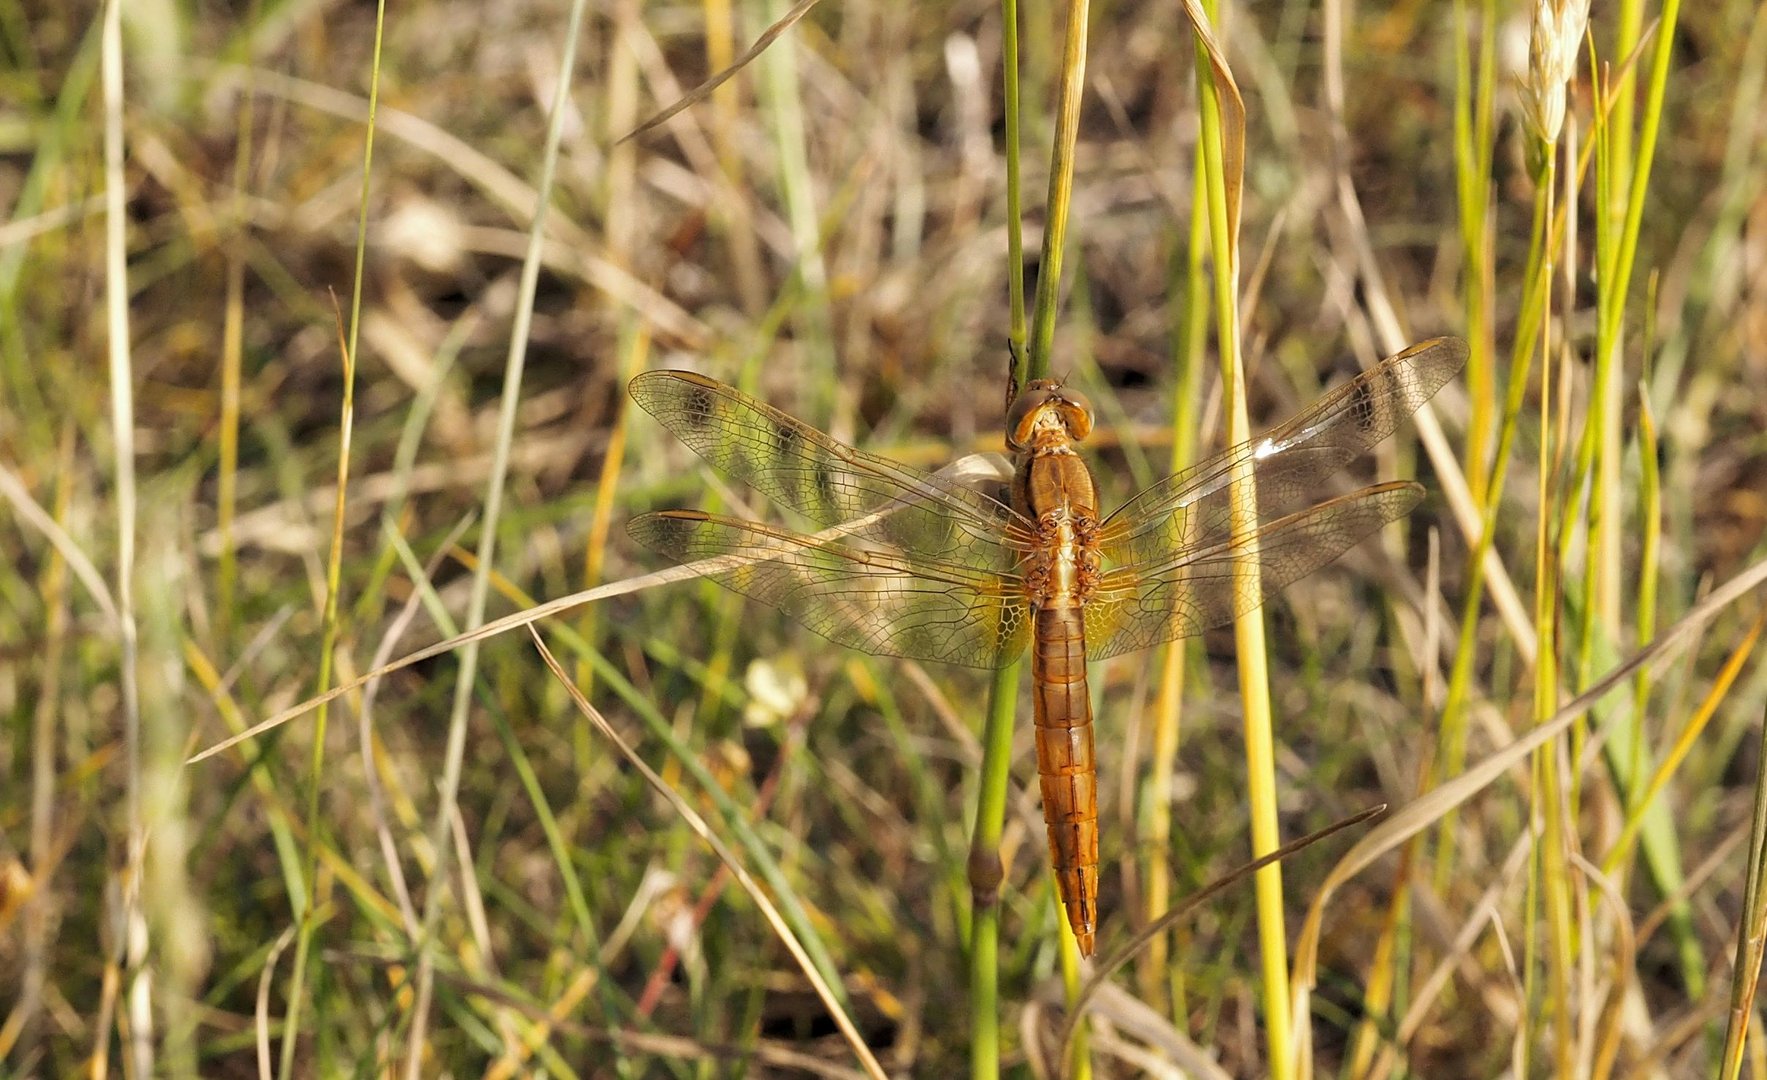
(1047, 413)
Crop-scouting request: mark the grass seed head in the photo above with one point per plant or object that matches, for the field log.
(1558, 28)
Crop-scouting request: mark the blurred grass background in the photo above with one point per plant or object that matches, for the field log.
(829, 232)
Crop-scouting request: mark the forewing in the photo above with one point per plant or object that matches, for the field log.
(878, 602)
(1289, 463)
(827, 481)
(1197, 589)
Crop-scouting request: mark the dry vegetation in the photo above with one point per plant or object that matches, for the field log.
(828, 232)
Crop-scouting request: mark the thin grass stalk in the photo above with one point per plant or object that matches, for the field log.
(1061, 188)
(131, 944)
(1078, 1063)
(986, 874)
(1015, 237)
(411, 434)
(232, 346)
(1557, 33)
(620, 92)
(731, 215)
(1751, 928)
(1601, 606)
(984, 856)
(1248, 628)
(1633, 175)
(1547, 799)
(634, 350)
(309, 900)
(1473, 147)
(1554, 810)
(1524, 1037)
(1683, 745)
(1628, 26)
(1650, 512)
(1614, 286)
(306, 913)
(785, 120)
(984, 869)
(1625, 168)
(510, 399)
(1189, 343)
(1451, 737)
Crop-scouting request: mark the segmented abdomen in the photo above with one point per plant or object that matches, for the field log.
(1065, 764)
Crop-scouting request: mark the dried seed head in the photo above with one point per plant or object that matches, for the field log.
(1552, 63)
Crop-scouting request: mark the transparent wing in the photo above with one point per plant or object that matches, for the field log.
(827, 481)
(1197, 589)
(878, 602)
(1192, 509)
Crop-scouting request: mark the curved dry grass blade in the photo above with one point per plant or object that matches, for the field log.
(15, 492)
(1232, 113)
(1683, 743)
(698, 825)
(261, 1009)
(1112, 962)
(973, 465)
(704, 89)
(1420, 813)
(1128, 1015)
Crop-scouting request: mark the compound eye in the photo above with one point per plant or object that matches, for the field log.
(1023, 414)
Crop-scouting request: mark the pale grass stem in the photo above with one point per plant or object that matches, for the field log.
(509, 401)
(129, 950)
(1221, 141)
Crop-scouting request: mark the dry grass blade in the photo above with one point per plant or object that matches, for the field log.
(20, 497)
(699, 826)
(1419, 814)
(704, 90)
(971, 466)
(1123, 1014)
(1751, 936)
(1684, 740)
(1110, 964)
(1232, 113)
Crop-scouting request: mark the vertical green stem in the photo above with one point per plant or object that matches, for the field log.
(1015, 237)
(1061, 186)
(986, 874)
(985, 870)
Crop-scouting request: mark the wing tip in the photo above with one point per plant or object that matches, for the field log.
(1447, 355)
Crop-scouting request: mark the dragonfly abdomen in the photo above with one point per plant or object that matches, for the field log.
(1066, 768)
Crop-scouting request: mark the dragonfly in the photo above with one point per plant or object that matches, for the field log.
(928, 566)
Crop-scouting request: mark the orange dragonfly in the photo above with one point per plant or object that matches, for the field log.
(922, 566)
